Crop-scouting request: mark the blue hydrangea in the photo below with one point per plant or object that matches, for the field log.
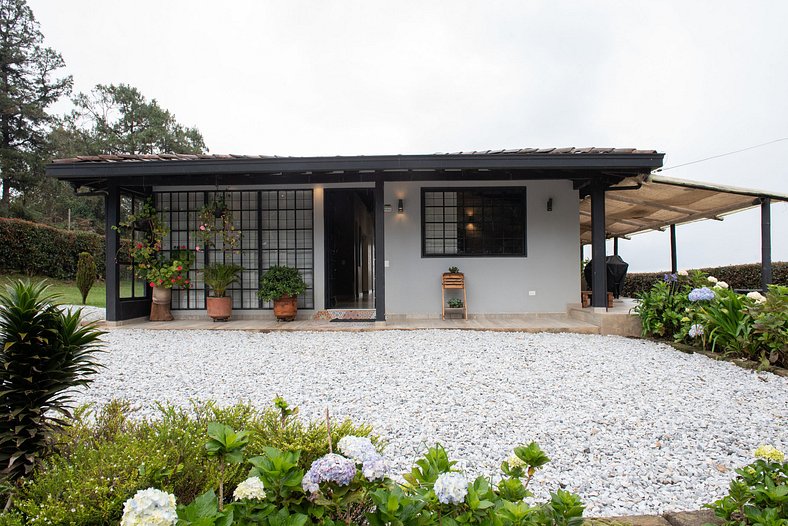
(696, 330)
(701, 294)
(451, 488)
(329, 468)
(375, 467)
(357, 448)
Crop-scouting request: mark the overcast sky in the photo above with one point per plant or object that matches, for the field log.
(691, 79)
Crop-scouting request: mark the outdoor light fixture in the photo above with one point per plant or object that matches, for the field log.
(401, 206)
(550, 205)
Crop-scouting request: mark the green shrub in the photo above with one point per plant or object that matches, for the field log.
(86, 274)
(661, 310)
(759, 493)
(281, 281)
(737, 276)
(770, 326)
(40, 250)
(106, 456)
(44, 353)
(219, 276)
(728, 324)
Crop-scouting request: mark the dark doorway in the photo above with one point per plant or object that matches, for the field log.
(350, 248)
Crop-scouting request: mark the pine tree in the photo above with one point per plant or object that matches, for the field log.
(28, 86)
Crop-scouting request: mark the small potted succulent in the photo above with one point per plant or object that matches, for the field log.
(282, 285)
(455, 303)
(453, 271)
(218, 277)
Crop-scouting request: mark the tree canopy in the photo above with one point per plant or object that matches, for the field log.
(28, 86)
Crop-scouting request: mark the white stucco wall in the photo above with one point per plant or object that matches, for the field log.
(498, 285)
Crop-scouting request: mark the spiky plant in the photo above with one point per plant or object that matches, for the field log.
(219, 276)
(45, 353)
(86, 274)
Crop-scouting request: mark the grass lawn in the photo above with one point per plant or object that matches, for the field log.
(67, 290)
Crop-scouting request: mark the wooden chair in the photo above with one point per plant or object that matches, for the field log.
(453, 281)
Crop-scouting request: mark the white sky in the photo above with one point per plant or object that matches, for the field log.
(691, 79)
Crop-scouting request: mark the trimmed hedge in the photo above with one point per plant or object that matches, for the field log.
(41, 250)
(737, 276)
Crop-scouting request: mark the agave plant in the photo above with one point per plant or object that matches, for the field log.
(45, 353)
(219, 276)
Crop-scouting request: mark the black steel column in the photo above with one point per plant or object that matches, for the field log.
(615, 246)
(111, 218)
(766, 243)
(599, 265)
(674, 262)
(380, 252)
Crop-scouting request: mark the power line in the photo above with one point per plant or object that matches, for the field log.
(722, 154)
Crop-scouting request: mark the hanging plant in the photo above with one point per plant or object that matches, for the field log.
(217, 218)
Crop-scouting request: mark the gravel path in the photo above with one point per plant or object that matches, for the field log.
(632, 426)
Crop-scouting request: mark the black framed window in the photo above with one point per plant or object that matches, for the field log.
(130, 286)
(473, 222)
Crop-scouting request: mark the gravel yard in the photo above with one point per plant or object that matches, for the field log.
(632, 426)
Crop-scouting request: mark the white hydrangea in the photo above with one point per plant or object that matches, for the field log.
(357, 448)
(375, 468)
(149, 507)
(721, 285)
(756, 296)
(251, 488)
(451, 488)
(712, 279)
(683, 273)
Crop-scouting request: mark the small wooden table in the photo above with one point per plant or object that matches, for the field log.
(585, 299)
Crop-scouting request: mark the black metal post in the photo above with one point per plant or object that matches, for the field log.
(111, 218)
(599, 265)
(674, 262)
(766, 243)
(380, 252)
(615, 246)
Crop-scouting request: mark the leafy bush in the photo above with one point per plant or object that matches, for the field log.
(661, 310)
(281, 281)
(770, 326)
(759, 493)
(86, 274)
(40, 250)
(728, 324)
(44, 353)
(106, 456)
(737, 276)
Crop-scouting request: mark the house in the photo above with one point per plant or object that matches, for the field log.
(375, 231)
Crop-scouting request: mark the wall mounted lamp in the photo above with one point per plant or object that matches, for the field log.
(401, 206)
(550, 205)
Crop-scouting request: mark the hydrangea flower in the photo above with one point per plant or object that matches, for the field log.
(683, 273)
(515, 462)
(670, 278)
(149, 507)
(712, 279)
(696, 330)
(357, 448)
(721, 285)
(329, 468)
(451, 488)
(701, 294)
(375, 468)
(767, 452)
(251, 488)
(756, 296)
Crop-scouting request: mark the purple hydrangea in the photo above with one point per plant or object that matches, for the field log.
(701, 294)
(375, 467)
(329, 468)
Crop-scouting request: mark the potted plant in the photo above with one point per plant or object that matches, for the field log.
(455, 303)
(218, 277)
(216, 219)
(453, 271)
(282, 285)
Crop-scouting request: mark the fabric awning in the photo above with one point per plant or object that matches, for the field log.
(654, 202)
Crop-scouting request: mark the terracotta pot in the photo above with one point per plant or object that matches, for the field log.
(219, 309)
(285, 308)
(162, 295)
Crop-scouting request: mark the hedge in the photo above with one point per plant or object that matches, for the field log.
(737, 276)
(41, 250)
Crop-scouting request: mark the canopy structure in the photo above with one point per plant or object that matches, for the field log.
(655, 202)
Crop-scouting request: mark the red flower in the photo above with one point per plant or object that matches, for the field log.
(183, 247)
(161, 281)
(139, 245)
(179, 268)
(187, 282)
(173, 280)
(152, 284)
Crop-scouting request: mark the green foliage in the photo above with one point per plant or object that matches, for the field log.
(45, 352)
(86, 274)
(770, 326)
(428, 469)
(728, 324)
(455, 303)
(662, 310)
(279, 281)
(216, 224)
(454, 270)
(118, 119)
(39, 250)
(28, 87)
(219, 276)
(737, 276)
(758, 496)
(105, 457)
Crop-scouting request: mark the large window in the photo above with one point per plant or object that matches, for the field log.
(485, 222)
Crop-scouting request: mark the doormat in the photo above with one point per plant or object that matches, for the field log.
(352, 320)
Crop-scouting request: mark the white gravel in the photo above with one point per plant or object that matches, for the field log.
(632, 426)
(89, 313)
